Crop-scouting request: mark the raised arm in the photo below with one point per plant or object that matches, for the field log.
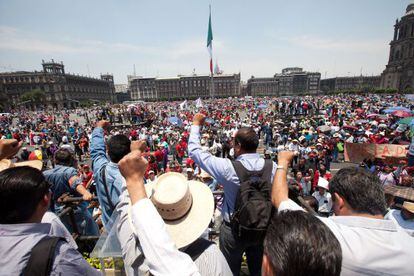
(160, 252)
(280, 190)
(217, 167)
(98, 149)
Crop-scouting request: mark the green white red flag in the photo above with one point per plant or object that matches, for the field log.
(210, 42)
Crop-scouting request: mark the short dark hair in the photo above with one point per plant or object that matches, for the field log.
(298, 243)
(247, 138)
(361, 189)
(64, 157)
(118, 146)
(21, 190)
(312, 202)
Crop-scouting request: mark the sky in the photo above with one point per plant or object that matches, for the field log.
(167, 38)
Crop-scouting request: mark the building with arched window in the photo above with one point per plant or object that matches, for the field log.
(399, 72)
(59, 88)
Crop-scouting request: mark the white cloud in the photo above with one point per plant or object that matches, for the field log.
(18, 40)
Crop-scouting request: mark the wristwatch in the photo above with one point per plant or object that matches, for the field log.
(280, 167)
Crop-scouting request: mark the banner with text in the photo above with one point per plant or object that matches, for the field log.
(358, 152)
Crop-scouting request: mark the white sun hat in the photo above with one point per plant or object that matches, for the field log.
(323, 183)
(185, 206)
(6, 164)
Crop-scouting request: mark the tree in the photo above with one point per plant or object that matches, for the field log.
(35, 95)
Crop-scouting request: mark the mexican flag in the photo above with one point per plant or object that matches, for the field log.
(210, 42)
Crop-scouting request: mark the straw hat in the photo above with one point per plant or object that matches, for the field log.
(409, 206)
(186, 206)
(6, 164)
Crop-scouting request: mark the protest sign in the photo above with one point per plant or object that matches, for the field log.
(358, 152)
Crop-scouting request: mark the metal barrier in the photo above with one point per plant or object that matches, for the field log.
(70, 204)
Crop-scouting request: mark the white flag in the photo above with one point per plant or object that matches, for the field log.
(183, 105)
(199, 103)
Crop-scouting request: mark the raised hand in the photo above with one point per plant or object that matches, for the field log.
(199, 119)
(9, 148)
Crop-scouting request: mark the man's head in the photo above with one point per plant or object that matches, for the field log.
(24, 195)
(356, 191)
(312, 202)
(298, 243)
(299, 175)
(190, 173)
(64, 157)
(86, 168)
(151, 175)
(245, 141)
(407, 210)
(118, 146)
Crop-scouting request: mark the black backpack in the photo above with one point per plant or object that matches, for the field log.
(253, 208)
(41, 257)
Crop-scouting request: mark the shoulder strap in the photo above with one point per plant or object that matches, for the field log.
(267, 171)
(41, 257)
(103, 176)
(197, 248)
(241, 171)
(243, 174)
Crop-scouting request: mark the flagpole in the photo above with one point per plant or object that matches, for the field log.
(211, 56)
(212, 86)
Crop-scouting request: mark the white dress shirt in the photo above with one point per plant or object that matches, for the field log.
(324, 201)
(161, 255)
(369, 246)
(407, 225)
(57, 228)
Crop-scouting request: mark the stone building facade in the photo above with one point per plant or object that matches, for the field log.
(184, 87)
(350, 83)
(292, 81)
(122, 93)
(60, 88)
(399, 72)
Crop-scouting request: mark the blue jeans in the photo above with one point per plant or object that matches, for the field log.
(335, 155)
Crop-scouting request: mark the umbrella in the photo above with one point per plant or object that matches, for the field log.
(400, 191)
(402, 108)
(262, 106)
(175, 121)
(359, 110)
(372, 115)
(401, 113)
(396, 108)
(406, 121)
(382, 117)
(324, 128)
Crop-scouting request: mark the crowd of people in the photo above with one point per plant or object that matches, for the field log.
(148, 171)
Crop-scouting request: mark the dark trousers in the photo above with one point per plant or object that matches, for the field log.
(233, 250)
(410, 160)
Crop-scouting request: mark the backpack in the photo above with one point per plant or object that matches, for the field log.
(253, 208)
(41, 257)
(196, 248)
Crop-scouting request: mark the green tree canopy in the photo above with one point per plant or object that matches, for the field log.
(35, 95)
